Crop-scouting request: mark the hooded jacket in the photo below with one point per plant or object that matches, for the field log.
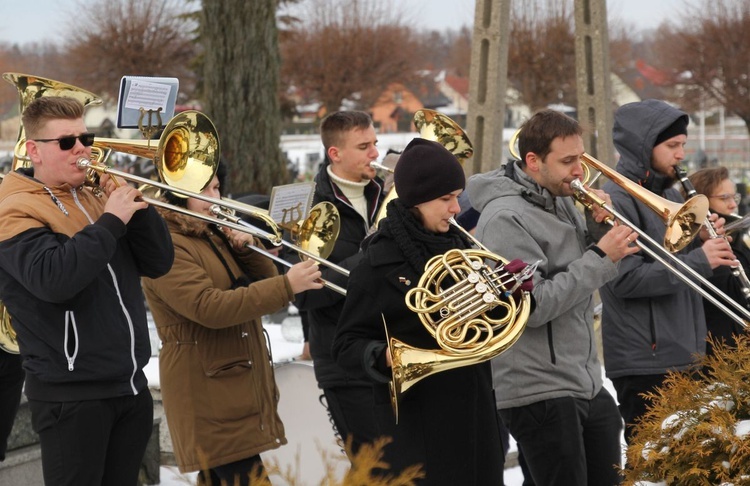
(556, 355)
(324, 306)
(216, 375)
(652, 322)
(70, 277)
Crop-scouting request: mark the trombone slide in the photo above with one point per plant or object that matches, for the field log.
(273, 257)
(587, 198)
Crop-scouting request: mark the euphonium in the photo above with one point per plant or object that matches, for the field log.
(471, 304)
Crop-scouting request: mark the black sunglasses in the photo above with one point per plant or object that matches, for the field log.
(67, 143)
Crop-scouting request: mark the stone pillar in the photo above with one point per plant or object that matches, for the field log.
(593, 78)
(488, 78)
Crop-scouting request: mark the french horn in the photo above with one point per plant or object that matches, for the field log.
(467, 299)
(471, 305)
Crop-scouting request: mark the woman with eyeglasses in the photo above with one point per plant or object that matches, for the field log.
(723, 199)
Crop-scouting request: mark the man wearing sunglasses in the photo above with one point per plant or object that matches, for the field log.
(70, 268)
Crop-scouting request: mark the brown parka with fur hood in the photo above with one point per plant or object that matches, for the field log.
(218, 389)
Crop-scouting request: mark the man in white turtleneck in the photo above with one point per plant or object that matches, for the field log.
(346, 180)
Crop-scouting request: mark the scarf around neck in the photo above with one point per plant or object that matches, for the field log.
(416, 243)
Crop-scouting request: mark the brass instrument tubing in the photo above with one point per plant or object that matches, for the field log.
(84, 163)
(378, 166)
(273, 257)
(587, 197)
(244, 228)
(217, 210)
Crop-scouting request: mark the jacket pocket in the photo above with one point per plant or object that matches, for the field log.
(222, 367)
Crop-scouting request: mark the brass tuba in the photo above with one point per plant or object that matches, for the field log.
(435, 126)
(31, 87)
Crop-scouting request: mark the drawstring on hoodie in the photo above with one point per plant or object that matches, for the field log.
(56, 201)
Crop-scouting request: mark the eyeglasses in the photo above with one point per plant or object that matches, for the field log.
(727, 197)
(67, 143)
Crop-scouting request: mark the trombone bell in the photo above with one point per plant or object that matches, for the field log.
(186, 156)
(683, 221)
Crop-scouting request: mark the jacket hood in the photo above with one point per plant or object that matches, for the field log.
(635, 130)
(22, 181)
(183, 224)
(509, 180)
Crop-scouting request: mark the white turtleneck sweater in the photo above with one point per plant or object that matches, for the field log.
(354, 192)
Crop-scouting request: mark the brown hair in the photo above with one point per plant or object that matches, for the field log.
(706, 181)
(538, 132)
(340, 122)
(48, 108)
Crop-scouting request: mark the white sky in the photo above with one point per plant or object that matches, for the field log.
(48, 18)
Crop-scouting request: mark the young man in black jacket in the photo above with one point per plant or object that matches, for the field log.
(347, 180)
(70, 268)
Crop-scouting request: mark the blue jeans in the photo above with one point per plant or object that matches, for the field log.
(568, 440)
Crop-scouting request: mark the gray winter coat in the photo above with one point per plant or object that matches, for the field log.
(556, 355)
(652, 322)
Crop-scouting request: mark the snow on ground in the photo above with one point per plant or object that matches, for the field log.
(305, 419)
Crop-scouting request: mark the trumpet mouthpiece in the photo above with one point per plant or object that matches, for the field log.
(83, 163)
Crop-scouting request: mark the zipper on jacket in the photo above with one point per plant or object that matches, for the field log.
(119, 298)
(551, 343)
(652, 329)
(70, 323)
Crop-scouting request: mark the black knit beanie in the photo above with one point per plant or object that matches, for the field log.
(678, 127)
(425, 171)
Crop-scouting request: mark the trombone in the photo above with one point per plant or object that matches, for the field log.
(186, 158)
(237, 225)
(692, 213)
(683, 222)
(274, 238)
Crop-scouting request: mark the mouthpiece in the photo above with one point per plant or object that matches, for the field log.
(83, 163)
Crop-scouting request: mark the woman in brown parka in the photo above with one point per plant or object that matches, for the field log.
(217, 382)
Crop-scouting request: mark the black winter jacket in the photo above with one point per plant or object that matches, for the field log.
(468, 452)
(70, 278)
(324, 306)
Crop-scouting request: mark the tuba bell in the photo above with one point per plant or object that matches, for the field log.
(31, 87)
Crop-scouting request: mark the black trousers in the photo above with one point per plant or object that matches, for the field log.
(505, 443)
(93, 442)
(351, 408)
(629, 395)
(569, 441)
(11, 386)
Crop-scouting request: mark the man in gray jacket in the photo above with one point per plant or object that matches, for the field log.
(549, 384)
(652, 322)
